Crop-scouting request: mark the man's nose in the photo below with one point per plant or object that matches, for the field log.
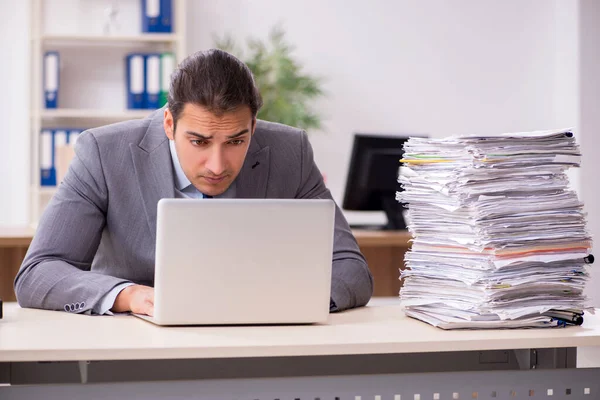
(215, 162)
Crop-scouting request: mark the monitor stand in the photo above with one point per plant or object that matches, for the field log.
(393, 211)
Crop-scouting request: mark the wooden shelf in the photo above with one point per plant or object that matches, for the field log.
(110, 40)
(74, 113)
(44, 190)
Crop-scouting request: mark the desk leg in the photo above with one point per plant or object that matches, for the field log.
(10, 262)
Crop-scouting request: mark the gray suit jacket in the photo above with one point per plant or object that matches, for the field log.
(99, 229)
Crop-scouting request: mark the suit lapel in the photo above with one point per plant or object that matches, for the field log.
(152, 163)
(253, 178)
(153, 167)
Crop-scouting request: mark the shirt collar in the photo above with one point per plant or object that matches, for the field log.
(181, 181)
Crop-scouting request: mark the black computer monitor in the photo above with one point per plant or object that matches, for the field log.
(372, 180)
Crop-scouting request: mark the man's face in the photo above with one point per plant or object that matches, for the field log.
(211, 149)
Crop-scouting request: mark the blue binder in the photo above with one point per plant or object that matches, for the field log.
(136, 77)
(47, 170)
(60, 140)
(166, 16)
(150, 15)
(51, 78)
(73, 136)
(50, 139)
(153, 80)
(157, 16)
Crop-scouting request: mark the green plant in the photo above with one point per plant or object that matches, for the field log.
(287, 92)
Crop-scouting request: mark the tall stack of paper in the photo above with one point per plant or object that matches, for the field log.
(499, 238)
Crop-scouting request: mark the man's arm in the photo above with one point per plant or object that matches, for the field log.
(351, 280)
(56, 274)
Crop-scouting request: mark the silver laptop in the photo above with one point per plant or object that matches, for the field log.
(243, 261)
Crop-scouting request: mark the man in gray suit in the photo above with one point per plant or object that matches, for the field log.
(95, 245)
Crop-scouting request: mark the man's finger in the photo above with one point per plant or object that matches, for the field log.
(150, 309)
(151, 296)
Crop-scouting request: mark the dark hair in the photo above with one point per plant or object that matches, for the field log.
(215, 80)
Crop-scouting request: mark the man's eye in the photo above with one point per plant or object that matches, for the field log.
(198, 142)
(236, 142)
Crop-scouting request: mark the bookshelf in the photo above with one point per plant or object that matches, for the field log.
(87, 113)
(92, 71)
(78, 40)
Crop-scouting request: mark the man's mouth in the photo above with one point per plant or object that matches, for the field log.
(215, 179)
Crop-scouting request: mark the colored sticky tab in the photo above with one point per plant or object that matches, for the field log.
(167, 66)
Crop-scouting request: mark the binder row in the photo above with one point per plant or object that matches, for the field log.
(50, 141)
(148, 79)
(157, 16)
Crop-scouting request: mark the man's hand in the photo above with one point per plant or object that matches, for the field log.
(138, 299)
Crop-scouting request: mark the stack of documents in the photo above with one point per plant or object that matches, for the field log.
(500, 240)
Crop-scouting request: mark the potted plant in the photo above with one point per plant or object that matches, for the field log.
(287, 92)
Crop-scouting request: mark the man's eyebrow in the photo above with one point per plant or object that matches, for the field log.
(237, 134)
(200, 136)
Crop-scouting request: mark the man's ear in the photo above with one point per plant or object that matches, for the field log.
(169, 124)
(253, 125)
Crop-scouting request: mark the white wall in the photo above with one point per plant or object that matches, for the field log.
(407, 66)
(567, 74)
(589, 47)
(426, 66)
(14, 103)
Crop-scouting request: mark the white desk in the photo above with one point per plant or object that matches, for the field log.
(371, 342)
(36, 335)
